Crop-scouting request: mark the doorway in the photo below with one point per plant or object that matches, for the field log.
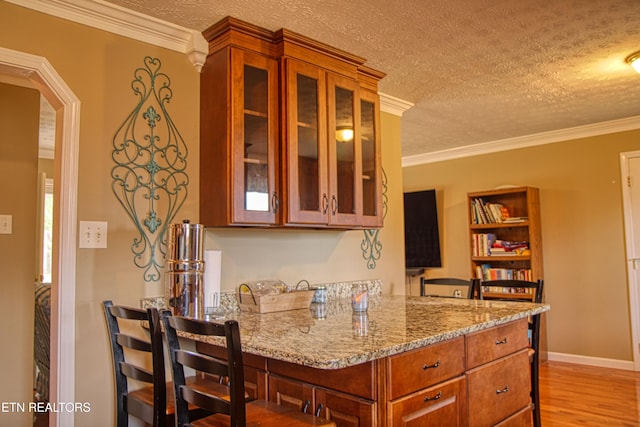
(630, 170)
(23, 69)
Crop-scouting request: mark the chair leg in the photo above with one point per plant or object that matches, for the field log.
(535, 392)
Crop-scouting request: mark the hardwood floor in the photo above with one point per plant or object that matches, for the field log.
(585, 396)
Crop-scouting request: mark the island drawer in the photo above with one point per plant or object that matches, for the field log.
(442, 404)
(490, 344)
(417, 369)
(499, 389)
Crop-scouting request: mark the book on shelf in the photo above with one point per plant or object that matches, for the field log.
(507, 247)
(483, 212)
(487, 272)
(482, 243)
(515, 219)
(506, 290)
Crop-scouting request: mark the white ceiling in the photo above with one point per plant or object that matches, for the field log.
(477, 71)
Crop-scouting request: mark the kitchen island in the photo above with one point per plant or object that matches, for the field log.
(407, 361)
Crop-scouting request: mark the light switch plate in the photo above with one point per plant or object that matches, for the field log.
(5, 224)
(92, 234)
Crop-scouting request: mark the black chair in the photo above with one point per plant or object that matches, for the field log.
(154, 403)
(233, 410)
(531, 292)
(449, 281)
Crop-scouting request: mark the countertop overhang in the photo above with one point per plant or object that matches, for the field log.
(392, 325)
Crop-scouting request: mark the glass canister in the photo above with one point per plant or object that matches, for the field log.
(320, 294)
(359, 297)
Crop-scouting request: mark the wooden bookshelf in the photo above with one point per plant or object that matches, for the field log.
(515, 261)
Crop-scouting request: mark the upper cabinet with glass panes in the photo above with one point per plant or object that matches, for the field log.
(290, 132)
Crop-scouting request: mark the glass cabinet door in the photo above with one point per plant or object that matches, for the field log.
(372, 203)
(308, 200)
(344, 149)
(255, 115)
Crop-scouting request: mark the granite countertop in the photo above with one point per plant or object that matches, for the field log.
(333, 337)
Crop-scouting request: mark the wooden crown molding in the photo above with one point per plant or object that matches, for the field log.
(127, 23)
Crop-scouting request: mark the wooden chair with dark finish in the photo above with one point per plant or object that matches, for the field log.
(465, 285)
(153, 403)
(234, 410)
(527, 291)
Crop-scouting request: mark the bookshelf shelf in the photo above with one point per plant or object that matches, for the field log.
(488, 231)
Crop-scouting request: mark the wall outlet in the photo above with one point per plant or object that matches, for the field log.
(5, 224)
(92, 234)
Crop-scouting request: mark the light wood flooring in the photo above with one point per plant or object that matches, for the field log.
(585, 396)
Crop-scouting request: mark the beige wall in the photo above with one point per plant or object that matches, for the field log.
(18, 164)
(99, 67)
(582, 232)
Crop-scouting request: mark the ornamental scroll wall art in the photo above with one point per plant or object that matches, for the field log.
(149, 177)
(371, 246)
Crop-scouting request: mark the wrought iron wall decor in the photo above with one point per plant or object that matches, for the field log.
(371, 246)
(149, 176)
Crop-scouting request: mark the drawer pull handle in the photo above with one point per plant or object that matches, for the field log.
(436, 397)
(504, 390)
(305, 406)
(502, 341)
(435, 365)
(319, 409)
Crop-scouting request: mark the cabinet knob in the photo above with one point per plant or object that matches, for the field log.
(275, 202)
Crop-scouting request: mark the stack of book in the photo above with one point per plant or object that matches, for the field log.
(487, 244)
(483, 212)
(487, 272)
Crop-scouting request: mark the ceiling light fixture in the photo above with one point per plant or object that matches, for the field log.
(634, 61)
(344, 133)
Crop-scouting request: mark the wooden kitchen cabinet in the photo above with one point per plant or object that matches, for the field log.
(239, 133)
(290, 132)
(441, 405)
(344, 409)
(325, 156)
(479, 379)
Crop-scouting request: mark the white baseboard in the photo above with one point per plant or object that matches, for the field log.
(593, 361)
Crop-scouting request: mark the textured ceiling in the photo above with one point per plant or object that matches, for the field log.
(476, 70)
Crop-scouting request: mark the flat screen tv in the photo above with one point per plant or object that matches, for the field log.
(421, 236)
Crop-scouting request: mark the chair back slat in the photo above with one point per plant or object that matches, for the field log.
(137, 373)
(449, 281)
(214, 404)
(133, 343)
(203, 363)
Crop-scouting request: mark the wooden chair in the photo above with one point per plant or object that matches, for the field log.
(534, 327)
(233, 410)
(154, 403)
(450, 281)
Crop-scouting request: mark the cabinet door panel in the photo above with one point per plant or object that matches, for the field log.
(306, 153)
(345, 169)
(291, 393)
(254, 138)
(440, 405)
(499, 389)
(372, 214)
(344, 410)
